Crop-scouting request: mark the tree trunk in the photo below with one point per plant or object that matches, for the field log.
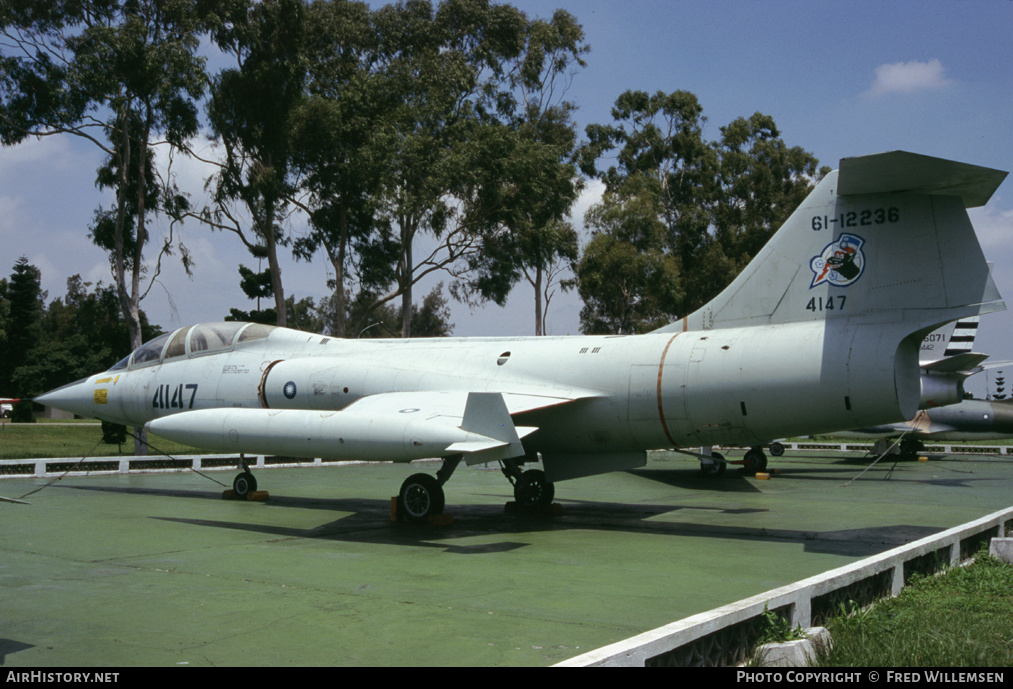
(338, 325)
(406, 282)
(539, 319)
(275, 268)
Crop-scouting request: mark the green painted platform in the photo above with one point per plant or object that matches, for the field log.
(158, 570)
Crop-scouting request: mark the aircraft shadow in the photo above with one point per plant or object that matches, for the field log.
(10, 646)
(368, 521)
(732, 481)
(894, 473)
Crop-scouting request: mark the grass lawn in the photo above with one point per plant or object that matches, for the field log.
(961, 618)
(73, 439)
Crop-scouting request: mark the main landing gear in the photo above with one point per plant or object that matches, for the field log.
(753, 462)
(532, 491)
(421, 495)
(907, 448)
(715, 466)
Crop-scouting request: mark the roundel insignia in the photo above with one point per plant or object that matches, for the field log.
(289, 389)
(840, 263)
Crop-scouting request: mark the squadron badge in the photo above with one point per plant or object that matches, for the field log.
(840, 263)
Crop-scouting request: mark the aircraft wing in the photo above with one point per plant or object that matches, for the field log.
(451, 403)
(484, 414)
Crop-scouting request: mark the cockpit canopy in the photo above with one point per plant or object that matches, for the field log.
(196, 340)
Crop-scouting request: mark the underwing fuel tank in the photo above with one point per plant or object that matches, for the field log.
(336, 435)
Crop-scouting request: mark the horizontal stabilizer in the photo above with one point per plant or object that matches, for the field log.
(955, 364)
(901, 171)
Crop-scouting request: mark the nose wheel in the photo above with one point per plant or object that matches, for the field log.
(244, 484)
(421, 496)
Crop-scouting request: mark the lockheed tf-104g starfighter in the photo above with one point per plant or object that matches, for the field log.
(820, 333)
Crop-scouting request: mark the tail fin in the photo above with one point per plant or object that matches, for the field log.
(884, 239)
(955, 339)
(950, 340)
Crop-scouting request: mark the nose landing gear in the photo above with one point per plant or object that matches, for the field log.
(244, 486)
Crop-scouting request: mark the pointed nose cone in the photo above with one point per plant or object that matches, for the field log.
(77, 397)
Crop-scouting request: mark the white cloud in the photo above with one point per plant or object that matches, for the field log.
(590, 195)
(994, 226)
(908, 77)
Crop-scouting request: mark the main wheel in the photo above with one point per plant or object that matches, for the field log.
(533, 491)
(909, 448)
(421, 496)
(755, 460)
(776, 449)
(244, 484)
(714, 468)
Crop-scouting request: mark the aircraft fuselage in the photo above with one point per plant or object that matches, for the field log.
(603, 394)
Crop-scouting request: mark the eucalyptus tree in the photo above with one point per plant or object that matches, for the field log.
(339, 147)
(118, 74)
(415, 116)
(661, 182)
(762, 181)
(716, 203)
(627, 276)
(445, 68)
(250, 113)
(526, 181)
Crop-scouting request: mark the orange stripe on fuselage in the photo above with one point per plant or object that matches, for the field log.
(661, 368)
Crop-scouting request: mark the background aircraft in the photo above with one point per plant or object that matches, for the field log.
(969, 420)
(820, 332)
(949, 348)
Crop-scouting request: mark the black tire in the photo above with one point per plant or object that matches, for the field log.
(755, 460)
(244, 484)
(715, 468)
(421, 496)
(909, 448)
(533, 491)
(776, 449)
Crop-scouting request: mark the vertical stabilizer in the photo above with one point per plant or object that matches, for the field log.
(884, 239)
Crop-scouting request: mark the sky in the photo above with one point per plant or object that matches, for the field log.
(839, 79)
